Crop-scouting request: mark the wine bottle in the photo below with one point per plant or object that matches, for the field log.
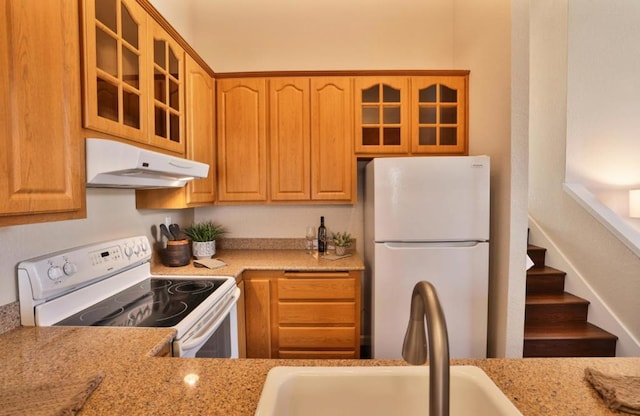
(322, 237)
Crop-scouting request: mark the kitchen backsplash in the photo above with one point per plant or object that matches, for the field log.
(9, 317)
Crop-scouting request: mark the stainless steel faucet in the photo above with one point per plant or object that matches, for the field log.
(425, 303)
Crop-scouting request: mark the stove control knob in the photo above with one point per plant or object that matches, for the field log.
(55, 272)
(70, 268)
(128, 251)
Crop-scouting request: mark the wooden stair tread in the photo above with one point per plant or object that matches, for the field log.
(554, 299)
(543, 271)
(565, 330)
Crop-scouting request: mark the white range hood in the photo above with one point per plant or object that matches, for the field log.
(112, 164)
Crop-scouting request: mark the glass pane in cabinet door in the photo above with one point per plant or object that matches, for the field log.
(174, 132)
(448, 95)
(391, 136)
(159, 86)
(159, 53)
(391, 115)
(106, 14)
(106, 53)
(371, 95)
(130, 68)
(131, 109)
(370, 115)
(390, 95)
(448, 115)
(448, 136)
(129, 28)
(173, 64)
(427, 115)
(160, 122)
(427, 136)
(107, 99)
(370, 136)
(427, 95)
(174, 96)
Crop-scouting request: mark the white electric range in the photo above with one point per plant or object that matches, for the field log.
(110, 284)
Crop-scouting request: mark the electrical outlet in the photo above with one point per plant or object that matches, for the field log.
(167, 220)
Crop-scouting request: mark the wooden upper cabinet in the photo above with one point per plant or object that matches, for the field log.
(439, 118)
(166, 67)
(242, 139)
(382, 115)
(200, 131)
(133, 76)
(42, 158)
(115, 71)
(332, 159)
(289, 137)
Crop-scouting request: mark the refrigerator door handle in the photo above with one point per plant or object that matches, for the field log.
(393, 245)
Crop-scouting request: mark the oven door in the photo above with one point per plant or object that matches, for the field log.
(217, 335)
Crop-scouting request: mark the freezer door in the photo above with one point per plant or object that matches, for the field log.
(428, 198)
(460, 275)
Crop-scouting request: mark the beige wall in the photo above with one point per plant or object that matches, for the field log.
(382, 34)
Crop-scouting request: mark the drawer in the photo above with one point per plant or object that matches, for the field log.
(317, 337)
(324, 288)
(317, 313)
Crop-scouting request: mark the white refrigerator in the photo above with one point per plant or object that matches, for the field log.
(427, 218)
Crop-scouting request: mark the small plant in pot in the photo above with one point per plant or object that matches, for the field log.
(342, 241)
(203, 236)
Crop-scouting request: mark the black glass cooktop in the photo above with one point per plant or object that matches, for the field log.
(151, 303)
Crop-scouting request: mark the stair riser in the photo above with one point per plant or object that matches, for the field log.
(537, 256)
(545, 284)
(569, 348)
(555, 313)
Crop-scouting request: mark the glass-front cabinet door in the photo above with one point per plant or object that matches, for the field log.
(167, 110)
(115, 90)
(382, 114)
(439, 115)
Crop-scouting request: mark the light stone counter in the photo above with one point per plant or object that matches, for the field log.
(137, 383)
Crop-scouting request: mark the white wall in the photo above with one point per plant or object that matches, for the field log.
(578, 92)
(254, 35)
(111, 214)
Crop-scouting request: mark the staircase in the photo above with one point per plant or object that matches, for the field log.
(556, 321)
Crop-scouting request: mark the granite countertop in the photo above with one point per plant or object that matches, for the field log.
(242, 259)
(138, 383)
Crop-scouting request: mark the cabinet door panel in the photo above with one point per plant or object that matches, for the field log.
(289, 139)
(257, 300)
(200, 131)
(332, 160)
(166, 67)
(115, 81)
(382, 115)
(41, 163)
(439, 119)
(242, 140)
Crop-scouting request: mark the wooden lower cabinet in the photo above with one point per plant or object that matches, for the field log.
(302, 314)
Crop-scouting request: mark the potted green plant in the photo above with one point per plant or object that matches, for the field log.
(342, 241)
(203, 236)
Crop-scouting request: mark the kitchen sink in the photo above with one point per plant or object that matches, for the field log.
(400, 390)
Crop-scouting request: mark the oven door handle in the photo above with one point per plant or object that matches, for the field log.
(204, 334)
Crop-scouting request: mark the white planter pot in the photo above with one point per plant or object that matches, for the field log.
(341, 251)
(204, 249)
